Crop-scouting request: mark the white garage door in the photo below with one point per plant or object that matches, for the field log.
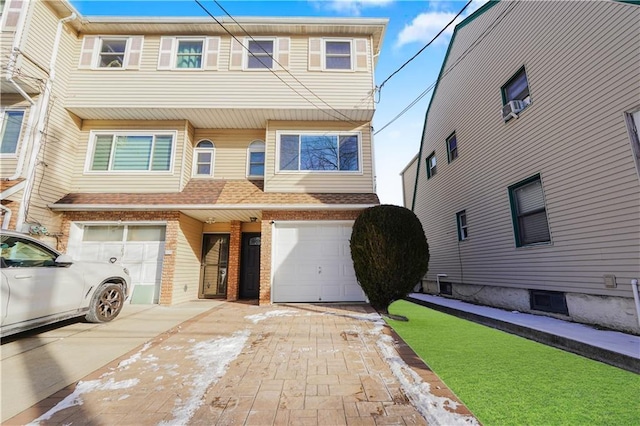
(312, 263)
(139, 248)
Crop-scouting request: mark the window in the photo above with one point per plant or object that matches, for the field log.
(22, 253)
(260, 54)
(255, 159)
(431, 165)
(337, 55)
(189, 53)
(203, 157)
(319, 152)
(112, 52)
(452, 148)
(529, 213)
(548, 301)
(517, 88)
(11, 129)
(131, 152)
(463, 230)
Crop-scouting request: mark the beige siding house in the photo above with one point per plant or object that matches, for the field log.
(212, 161)
(527, 182)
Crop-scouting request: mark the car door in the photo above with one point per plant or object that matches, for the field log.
(37, 287)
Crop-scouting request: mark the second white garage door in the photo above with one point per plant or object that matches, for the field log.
(312, 263)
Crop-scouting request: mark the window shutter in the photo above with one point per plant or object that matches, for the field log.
(166, 53)
(135, 52)
(315, 54)
(86, 54)
(13, 9)
(284, 50)
(361, 54)
(212, 53)
(235, 62)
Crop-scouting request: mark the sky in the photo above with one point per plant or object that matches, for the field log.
(412, 24)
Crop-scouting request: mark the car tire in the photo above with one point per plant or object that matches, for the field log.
(106, 303)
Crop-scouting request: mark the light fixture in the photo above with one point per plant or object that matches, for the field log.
(253, 219)
(211, 220)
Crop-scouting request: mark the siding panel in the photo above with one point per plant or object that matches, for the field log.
(573, 134)
(187, 266)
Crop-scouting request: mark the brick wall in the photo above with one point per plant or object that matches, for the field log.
(265, 249)
(13, 206)
(233, 268)
(171, 238)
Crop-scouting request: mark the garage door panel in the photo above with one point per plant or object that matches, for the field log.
(312, 262)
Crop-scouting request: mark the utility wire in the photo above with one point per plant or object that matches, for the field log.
(273, 72)
(279, 64)
(472, 46)
(425, 46)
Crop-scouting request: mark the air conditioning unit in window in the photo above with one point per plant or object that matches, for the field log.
(511, 109)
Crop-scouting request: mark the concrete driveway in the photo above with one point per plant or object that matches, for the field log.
(38, 364)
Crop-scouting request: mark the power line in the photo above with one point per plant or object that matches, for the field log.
(425, 46)
(472, 46)
(348, 119)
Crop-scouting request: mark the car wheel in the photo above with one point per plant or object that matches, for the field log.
(106, 303)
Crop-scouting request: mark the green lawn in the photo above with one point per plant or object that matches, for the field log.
(508, 380)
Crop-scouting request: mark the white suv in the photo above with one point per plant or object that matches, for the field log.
(41, 286)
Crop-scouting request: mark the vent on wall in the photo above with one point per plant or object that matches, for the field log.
(446, 288)
(548, 301)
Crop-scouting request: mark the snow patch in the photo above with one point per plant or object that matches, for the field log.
(271, 314)
(125, 364)
(213, 357)
(82, 388)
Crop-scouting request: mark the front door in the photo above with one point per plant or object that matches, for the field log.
(215, 259)
(250, 266)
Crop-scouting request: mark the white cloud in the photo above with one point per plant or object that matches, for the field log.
(351, 7)
(426, 25)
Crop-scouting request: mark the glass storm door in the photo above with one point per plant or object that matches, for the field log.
(215, 260)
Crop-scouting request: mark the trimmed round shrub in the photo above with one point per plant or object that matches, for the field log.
(390, 253)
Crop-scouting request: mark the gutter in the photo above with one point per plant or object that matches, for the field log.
(160, 207)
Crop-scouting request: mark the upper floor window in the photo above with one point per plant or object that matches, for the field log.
(11, 129)
(529, 212)
(11, 11)
(515, 95)
(188, 53)
(263, 53)
(319, 152)
(452, 147)
(134, 151)
(260, 54)
(255, 159)
(203, 157)
(338, 54)
(111, 52)
(431, 165)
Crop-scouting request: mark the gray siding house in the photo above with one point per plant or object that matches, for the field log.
(527, 182)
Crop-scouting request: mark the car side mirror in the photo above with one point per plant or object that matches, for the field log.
(64, 260)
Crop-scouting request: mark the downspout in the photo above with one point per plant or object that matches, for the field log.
(10, 70)
(37, 140)
(636, 298)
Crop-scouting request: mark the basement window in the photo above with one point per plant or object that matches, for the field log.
(548, 301)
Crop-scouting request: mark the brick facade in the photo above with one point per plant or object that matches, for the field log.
(171, 238)
(233, 267)
(267, 237)
(14, 207)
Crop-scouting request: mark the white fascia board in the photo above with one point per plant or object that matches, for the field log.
(159, 207)
(10, 191)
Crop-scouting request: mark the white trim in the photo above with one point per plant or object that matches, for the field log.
(196, 151)
(352, 54)
(338, 133)
(314, 222)
(95, 60)
(114, 133)
(245, 56)
(19, 143)
(173, 207)
(10, 191)
(249, 151)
